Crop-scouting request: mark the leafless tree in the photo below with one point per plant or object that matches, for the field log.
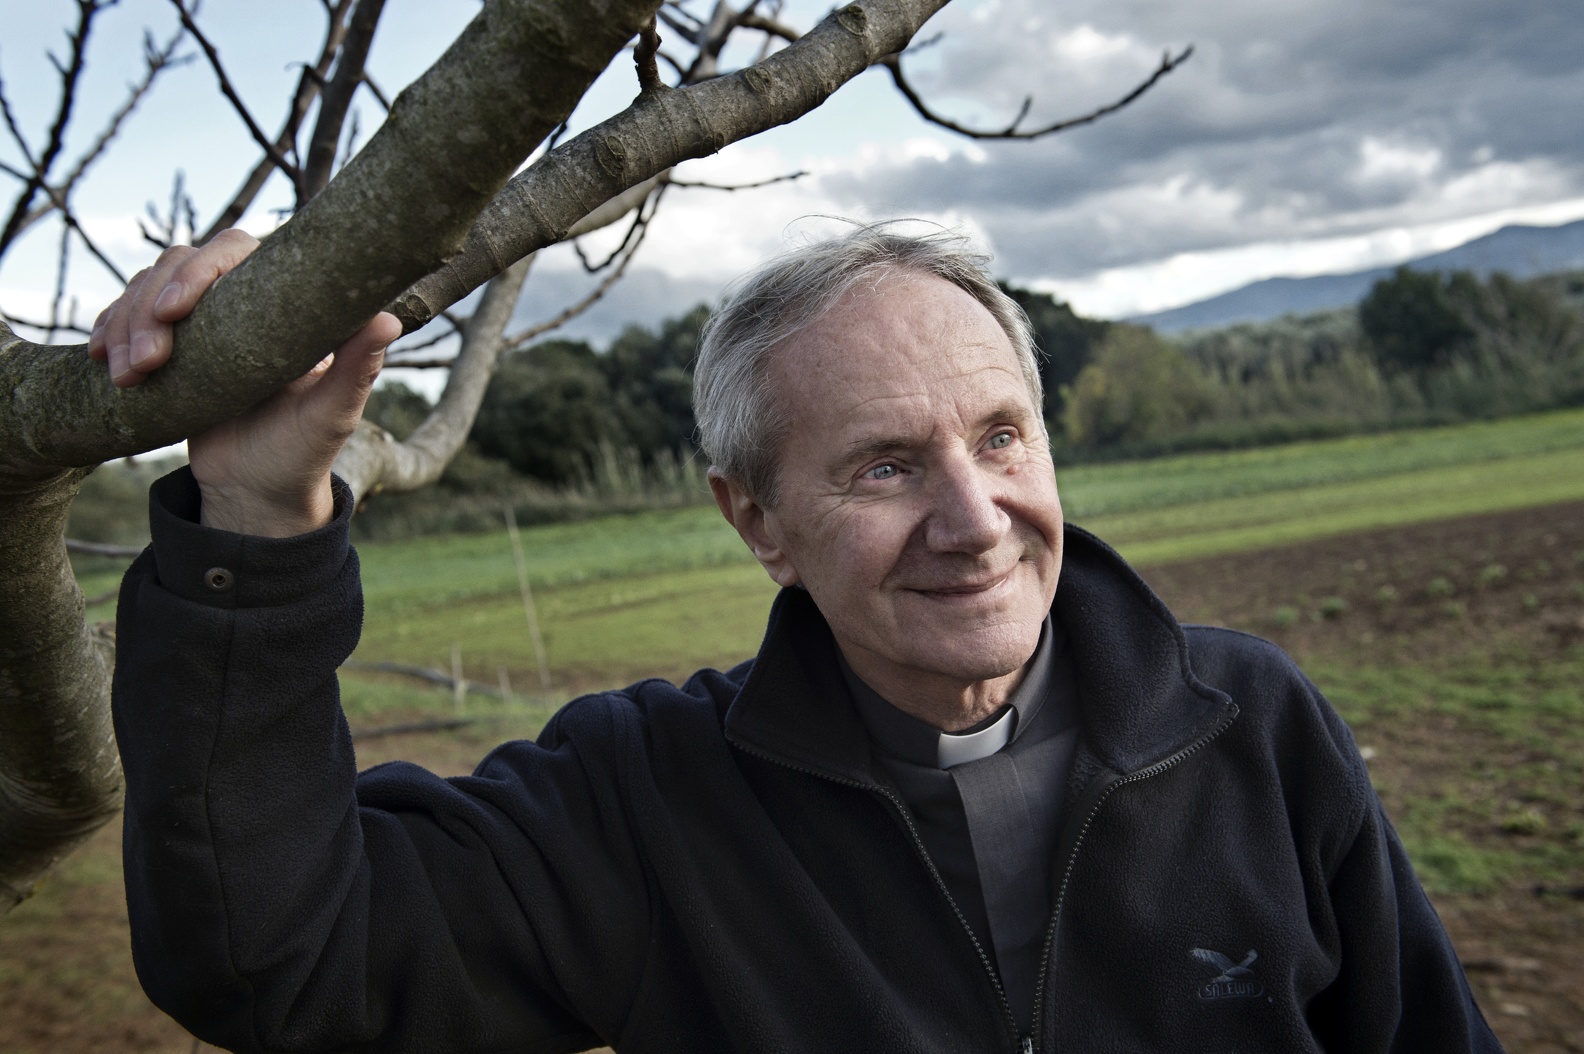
(439, 171)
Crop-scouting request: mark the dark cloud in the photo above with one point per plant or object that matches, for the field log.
(1294, 119)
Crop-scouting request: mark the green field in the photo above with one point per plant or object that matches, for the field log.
(667, 592)
(1478, 751)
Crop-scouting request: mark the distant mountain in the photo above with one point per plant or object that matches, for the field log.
(1522, 252)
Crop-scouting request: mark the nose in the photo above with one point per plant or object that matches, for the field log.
(964, 515)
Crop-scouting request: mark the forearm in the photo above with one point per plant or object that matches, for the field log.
(240, 773)
(270, 907)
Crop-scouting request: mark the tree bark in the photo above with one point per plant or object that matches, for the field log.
(403, 208)
(394, 214)
(661, 129)
(374, 460)
(398, 211)
(60, 777)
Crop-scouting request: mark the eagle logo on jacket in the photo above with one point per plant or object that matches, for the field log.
(1235, 981)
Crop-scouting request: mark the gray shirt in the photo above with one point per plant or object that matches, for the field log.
(986, 800)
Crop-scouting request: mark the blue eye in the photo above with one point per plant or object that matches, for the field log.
(1001, 441)
(882, 472)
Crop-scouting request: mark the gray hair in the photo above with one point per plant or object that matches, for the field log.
(741, 422)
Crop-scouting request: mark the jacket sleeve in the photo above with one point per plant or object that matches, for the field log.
(279, 901)
(1400, 986)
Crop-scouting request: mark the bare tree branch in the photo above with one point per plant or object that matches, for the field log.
(635, 229)
(459, 133)
(644, 58)
(309, 84)
(68, 326)
(540, 205)
(62, 264)
(567, 314)
(88, 243)
(71, 75)
(786, 178)
(768, 26)
(894, 64)
(275, 152)
(379, 95)
(373, 460)
(155, 62)
(710, 39)
(336, 97)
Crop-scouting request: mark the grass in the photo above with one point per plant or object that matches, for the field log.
(1480, 761)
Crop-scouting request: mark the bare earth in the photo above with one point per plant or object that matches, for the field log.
(66, 981)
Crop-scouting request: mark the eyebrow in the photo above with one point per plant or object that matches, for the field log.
(862, 450)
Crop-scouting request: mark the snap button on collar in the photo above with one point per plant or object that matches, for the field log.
(219, 579)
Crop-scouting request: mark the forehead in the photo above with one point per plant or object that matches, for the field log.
(898, 342)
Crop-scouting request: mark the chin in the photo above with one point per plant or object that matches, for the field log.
(983, 656)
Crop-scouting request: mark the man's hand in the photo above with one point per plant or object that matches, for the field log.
(267, 470)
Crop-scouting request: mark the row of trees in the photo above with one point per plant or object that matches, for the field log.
(1422, 347)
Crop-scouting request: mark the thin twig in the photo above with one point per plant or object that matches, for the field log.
(894, 64)
(644, 58)
(71, 75)
(155, 63)
(635, 228)
(69, 326)
(375, 90)
(799, 174)
(567, 314)
(769, 26)
(61, 266)
(309, 84)
(272, 150)
(88, 243)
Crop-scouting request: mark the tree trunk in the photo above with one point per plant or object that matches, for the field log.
(404, 208)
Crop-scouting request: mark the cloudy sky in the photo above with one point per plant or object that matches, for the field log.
(1304, 136)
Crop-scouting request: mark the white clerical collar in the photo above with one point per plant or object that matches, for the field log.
(954, 750)
(903, 736)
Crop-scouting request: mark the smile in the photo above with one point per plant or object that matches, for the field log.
(969, 588)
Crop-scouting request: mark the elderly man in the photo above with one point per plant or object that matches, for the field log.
(948, 807)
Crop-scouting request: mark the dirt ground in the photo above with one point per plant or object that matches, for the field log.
(1433, 592)
(1423, 593)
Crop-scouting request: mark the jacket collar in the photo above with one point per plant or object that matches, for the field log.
(1138, 696)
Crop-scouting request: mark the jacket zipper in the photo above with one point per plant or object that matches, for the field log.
(1072, 859)
(1026, 1043)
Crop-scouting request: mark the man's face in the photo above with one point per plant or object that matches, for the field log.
(918, 500)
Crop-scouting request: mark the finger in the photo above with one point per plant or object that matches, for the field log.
(183, 287)
(114, 331)
(355, 366)
(179, 279)
(122, 375)
(301, 384)
(96, 343)
(148, 339)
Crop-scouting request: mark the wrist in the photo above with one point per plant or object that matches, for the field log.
(244, 511)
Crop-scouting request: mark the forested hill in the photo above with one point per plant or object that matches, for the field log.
(1521, 252)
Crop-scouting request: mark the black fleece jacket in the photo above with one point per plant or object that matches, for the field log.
(719, 866)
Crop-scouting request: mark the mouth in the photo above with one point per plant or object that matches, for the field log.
(967, 587)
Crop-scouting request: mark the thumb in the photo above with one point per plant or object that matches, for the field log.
(355, 367)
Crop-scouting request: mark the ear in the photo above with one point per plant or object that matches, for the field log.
(752, 523)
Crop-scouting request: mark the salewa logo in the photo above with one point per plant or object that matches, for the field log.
(1235, 981)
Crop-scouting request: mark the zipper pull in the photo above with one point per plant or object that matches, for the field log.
(1028, 1045)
